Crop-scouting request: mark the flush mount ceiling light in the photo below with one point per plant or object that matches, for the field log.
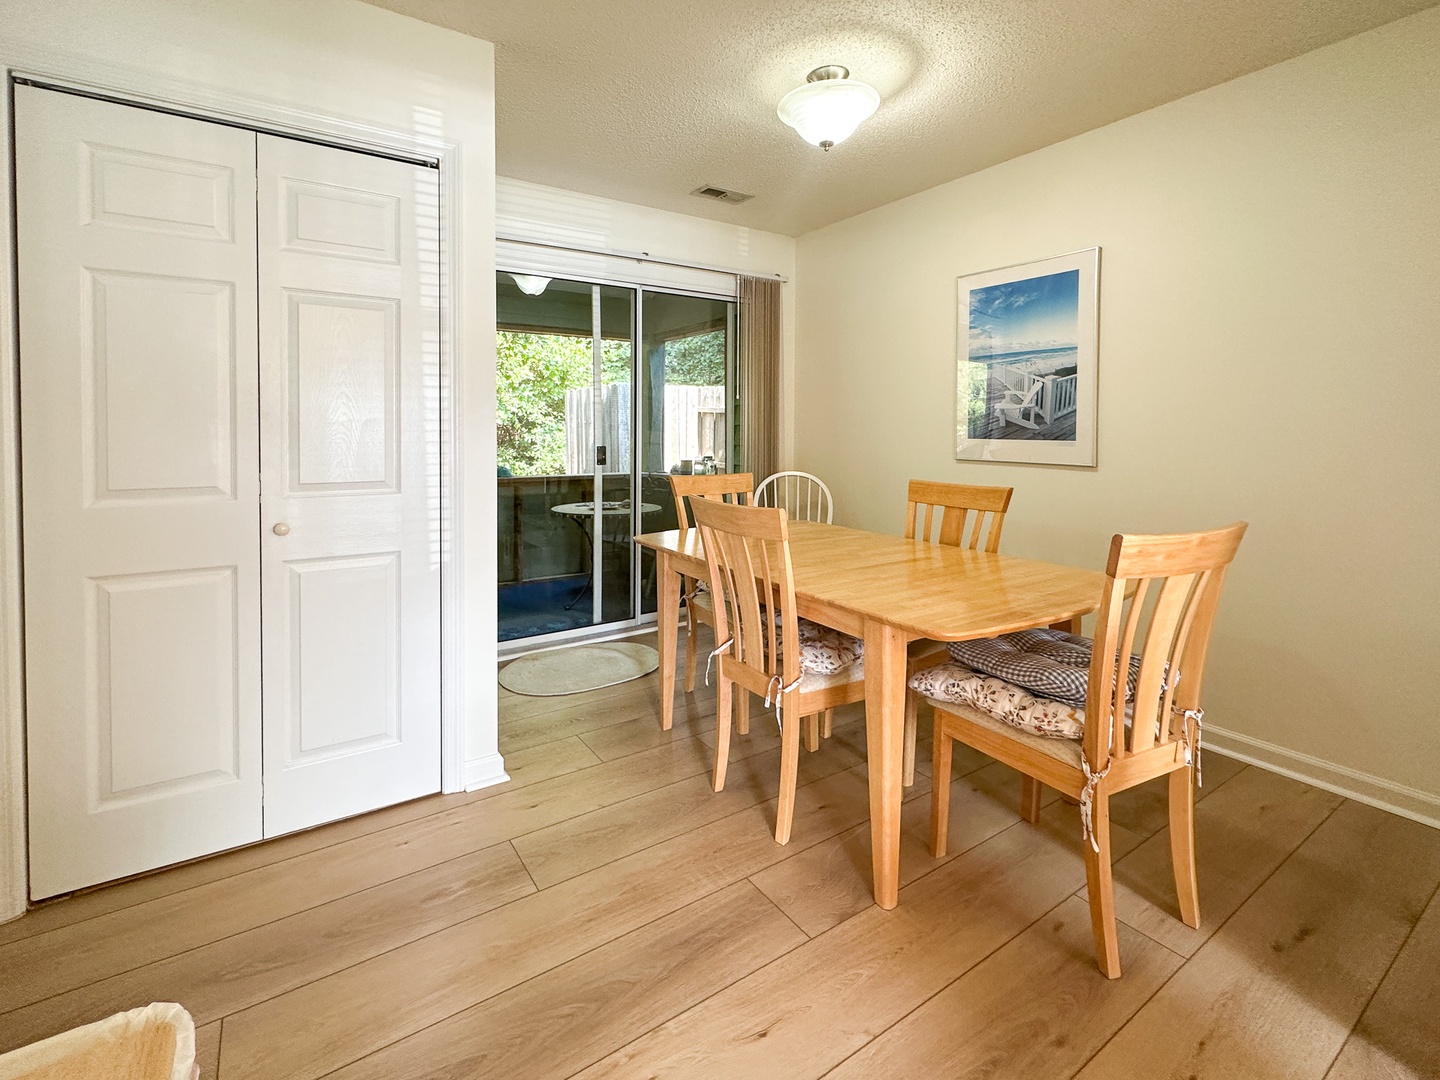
(530, 284)
(829, 107)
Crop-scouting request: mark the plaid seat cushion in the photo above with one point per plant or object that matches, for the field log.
(1049, 663)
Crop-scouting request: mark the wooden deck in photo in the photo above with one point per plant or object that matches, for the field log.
(605, 914)
(1062, 429)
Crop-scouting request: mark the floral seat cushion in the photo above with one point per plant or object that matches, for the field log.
(952, 683)
(1050, 664)
(824, 651)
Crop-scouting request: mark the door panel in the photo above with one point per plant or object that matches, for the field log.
(138, 397)
(164, 651)
(349, 366)
(160, 386)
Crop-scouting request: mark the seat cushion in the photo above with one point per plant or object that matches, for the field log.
(1049, 663)
(824, 651)
(1066, 751)
(955, 684)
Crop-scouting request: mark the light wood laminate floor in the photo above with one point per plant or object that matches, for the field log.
(605, 914)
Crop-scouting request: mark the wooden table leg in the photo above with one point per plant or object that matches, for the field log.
(667, 614)
(885, 748)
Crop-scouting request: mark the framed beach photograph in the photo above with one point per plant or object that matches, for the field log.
(1025, 377)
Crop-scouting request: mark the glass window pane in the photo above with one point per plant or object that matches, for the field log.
(685, 345)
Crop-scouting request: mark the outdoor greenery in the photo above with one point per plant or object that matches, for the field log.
(698, 360)
(533, 371)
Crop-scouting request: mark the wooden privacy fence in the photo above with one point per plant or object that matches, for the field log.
(694, 425)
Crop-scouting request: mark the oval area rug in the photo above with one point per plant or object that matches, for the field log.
(573, 671)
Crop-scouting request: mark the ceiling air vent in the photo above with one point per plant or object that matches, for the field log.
(719, 194)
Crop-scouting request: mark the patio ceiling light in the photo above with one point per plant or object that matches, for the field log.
(530, 284)
(829, 107)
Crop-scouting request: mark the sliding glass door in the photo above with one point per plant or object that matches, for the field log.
(564, 353)
(584, 461)
(686, 368)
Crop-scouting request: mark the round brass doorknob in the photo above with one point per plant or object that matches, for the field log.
(281, 529)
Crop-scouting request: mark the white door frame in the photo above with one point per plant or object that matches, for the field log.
(135, 87)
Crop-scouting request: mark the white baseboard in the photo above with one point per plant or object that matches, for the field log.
(1421, 806)
(485, 772)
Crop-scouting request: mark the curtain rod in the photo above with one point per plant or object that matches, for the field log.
(643, 256)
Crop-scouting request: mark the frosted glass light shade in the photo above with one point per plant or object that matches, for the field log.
(530, 284)
(826, 111)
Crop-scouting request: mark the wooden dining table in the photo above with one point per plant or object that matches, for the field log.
(888, 591)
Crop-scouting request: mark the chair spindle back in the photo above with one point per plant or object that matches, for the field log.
(803, 496)
(739, 486)
(955, 503)
(747, 549)
(1177, 580)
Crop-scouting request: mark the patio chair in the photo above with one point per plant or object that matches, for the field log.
(1016, 403)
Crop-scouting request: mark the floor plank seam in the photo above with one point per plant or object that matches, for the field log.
(270, 922)
(717, 888)
(808, 936)
(714, 993)
(724, 817)
(521, 859)
(649, 710)
(236, 876)
(620, 803)
(1379, 983)
(219, 1052)
(569, 960)
(901, 1019)
(1223, 923)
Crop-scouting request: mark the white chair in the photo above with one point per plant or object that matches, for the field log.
(1017, 403)
(801, 495)
(804, 497)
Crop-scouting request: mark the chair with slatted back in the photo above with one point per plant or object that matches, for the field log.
(765, 648)
(803, 496)
(739, 488)
(1141, 718)
(955, 503)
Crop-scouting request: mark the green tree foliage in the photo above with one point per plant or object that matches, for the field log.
(533, 371)
(698, 360)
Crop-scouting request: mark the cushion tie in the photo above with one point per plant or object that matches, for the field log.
(777, 687)
(1191, 724)
(1087, 801)
(716, 652)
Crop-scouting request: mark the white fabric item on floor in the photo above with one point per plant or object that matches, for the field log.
(577, 669)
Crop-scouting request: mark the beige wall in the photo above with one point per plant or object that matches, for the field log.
(1270, 350)
(372, 75)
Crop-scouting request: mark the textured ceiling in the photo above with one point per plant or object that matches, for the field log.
(645, 101)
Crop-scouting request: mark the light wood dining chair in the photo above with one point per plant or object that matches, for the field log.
(739, 488)
(765, 648)
(803, 496)
(954, 503)
(1129, 736)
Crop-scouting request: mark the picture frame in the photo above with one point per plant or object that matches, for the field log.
(1027, 364)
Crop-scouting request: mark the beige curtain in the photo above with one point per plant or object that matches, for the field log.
(760, 374)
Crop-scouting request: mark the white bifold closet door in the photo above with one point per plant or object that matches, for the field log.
(204, 311)
(349, 434)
